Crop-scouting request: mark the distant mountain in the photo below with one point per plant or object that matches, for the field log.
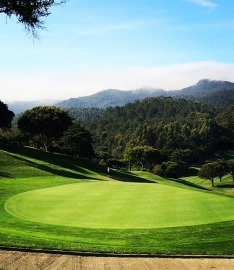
(204, 87)
(20, 106)
(217, 93)
(111, 98)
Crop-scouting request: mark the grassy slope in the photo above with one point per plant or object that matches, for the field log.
(24, 170)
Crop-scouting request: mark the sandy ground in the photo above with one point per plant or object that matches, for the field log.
(15, 260)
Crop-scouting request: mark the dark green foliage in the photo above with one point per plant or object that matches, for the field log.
(181, 155)
(117, 164)
(231, 167)
(44, 124)
(225, 118)
(142, 156)
(162, 123)
(82, 114)
(170, 169)
(219, 99)
(28, 12)
(222, 168)
(209, 171)
(218, 168)
(102, 156)
(6, 116)
(77, 141)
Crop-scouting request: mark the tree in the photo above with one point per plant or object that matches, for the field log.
(171, 169)
(150, 156)
(222, 169)
(29, 12)
(45, 122)
(231, 167)
(77, 141)
(133, 154)
(115, 163)
(209, 171)
(6, 116)
(184, 155)
(102, 156)
(145, 156)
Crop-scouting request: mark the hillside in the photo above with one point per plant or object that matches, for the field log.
(217, 93)
(111, 98)
(163, 123)
(205, 87)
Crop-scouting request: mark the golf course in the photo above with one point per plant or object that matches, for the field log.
(56, 202)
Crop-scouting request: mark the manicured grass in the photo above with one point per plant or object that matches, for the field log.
(117, 205)
(26, 172)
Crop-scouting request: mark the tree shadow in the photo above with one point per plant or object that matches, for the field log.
(5, 175)
(188, 183)
(64, 161)
(191, 171)
(225, 186)
(128, 177)
(59, 172)
(70, 163)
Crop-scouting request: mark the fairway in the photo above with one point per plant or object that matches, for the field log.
(118, 205)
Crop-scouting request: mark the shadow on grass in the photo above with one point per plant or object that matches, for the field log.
(188, 183)
(59, 172)
(52, 158)
(225, 186)
(69, 162)
(5, 175)
(128, 177)
(191, 171)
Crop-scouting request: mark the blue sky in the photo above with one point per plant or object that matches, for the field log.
(91, 45)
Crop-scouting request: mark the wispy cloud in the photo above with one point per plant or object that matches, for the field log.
(204, 3)
(107, 28)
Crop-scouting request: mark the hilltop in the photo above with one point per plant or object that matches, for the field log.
(217, 93)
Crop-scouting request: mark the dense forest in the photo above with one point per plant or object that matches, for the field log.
(162, 134)
(163, 123)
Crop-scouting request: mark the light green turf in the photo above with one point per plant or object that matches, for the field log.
(120, 205)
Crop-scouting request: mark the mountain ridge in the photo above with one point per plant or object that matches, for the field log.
(204, 90)
(215, 92)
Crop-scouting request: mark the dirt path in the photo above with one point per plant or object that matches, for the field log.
(15, 260)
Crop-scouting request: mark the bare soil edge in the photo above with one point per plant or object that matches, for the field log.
(22, 260)
(96, 254)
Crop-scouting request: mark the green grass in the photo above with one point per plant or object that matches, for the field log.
(117, 205)
(140, 213)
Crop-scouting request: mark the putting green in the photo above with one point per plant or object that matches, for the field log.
(120, 205)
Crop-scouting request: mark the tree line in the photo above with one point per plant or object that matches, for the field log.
(161, 134)
(49, 128)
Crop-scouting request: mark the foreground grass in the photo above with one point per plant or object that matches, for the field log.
(29, 171)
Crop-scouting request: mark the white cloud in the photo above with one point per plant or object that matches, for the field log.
(64, 84)
(204, 3)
